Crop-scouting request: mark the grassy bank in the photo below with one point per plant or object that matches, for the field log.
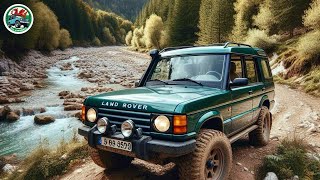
(45, 162)
(293, 157)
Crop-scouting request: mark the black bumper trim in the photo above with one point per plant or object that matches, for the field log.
(144, 146)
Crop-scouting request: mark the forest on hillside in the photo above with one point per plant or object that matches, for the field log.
(128, 9)
(290, 28)
(59, 24)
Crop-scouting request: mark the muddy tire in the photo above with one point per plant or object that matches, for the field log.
(261, 135)
(212, 158)
(109, 160)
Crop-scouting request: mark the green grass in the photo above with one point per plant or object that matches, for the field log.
(291, 159)
(44, 163)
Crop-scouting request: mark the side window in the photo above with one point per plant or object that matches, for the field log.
(266, 69)
(251, 70)
(235, 68)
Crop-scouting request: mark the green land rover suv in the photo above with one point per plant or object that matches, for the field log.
(188, 107)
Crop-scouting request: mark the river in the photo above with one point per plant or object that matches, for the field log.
(24, 135)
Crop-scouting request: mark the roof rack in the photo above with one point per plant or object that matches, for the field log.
(225, 45)
(174, 48)
(239, 44)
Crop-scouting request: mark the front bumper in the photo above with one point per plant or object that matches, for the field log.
(142, 148)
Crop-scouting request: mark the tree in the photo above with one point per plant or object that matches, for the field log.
(153, 31)
(245, 10)
(65, 40)
(129, 38)
(108, 37)
(285, 14)
(183, 22)
(215, 21)
(311, 18)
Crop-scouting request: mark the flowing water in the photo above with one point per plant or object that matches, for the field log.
(24, 135)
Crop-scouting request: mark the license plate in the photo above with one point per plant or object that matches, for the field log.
(117, 144)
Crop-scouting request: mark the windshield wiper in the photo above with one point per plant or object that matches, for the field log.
(187, 79)
(158, 80)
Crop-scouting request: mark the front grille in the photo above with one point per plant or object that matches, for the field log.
(117, 117)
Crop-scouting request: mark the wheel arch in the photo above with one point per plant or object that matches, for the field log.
(265, 102)
(210, 120)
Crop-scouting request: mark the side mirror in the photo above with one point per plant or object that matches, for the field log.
(239, 82)
(136, 83)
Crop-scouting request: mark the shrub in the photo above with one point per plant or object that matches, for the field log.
(129, 38)
(260, 38)
(308, 45)
(44, 163)
(65, 40)
(291, 159)
(153, 31)
(138, 40)
(312, 16)
(96, 41)
(48, 27)
(108, 37)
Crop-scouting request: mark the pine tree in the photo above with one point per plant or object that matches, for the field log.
(287, 14)
(183, 22)
(215, 21)
(311, 18)
(245, 10)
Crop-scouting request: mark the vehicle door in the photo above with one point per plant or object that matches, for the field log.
(241, 108)
(256, 84)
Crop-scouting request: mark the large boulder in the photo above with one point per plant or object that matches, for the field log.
(64, 93)
(43, 119)
(12, 116)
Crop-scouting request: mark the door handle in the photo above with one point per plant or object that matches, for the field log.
(250, 92)
(263, 89)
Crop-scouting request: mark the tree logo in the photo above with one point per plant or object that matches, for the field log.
(18, 19)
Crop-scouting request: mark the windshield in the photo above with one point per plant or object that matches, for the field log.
(190, 70)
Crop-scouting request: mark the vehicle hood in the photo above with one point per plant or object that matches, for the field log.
(155, 99)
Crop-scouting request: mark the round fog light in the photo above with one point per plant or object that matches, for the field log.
(127, 128)
(162, 123)
(102, 124)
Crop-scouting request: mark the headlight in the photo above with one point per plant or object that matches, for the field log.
(162, 123)
(91, 115)
(102, 124)
(127, 128)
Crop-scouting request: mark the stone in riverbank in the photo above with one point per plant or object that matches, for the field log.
(4, 111)
(43, 119)
(12, 116)
(27, 112)
(73, 107)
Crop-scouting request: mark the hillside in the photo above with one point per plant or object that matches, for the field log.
(287, 28)
(126, 8)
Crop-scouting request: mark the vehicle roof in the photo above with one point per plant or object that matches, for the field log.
(213, 49)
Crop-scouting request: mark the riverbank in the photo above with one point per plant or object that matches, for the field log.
(57, 85)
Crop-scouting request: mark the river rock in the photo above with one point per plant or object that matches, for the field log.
(64, 93)
(42, 110)
(27, 112)
(12, 116)
(271, 176)
(4, 111)
(43, 119)
(73, 107)
(26, 87)
(66, 67)
(8, 168)
(4, 100)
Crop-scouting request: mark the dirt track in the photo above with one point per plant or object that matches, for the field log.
(294, 112)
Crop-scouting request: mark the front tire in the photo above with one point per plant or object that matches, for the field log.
(109, 160)
(261, 135)
(17, 24)
(212, 158)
